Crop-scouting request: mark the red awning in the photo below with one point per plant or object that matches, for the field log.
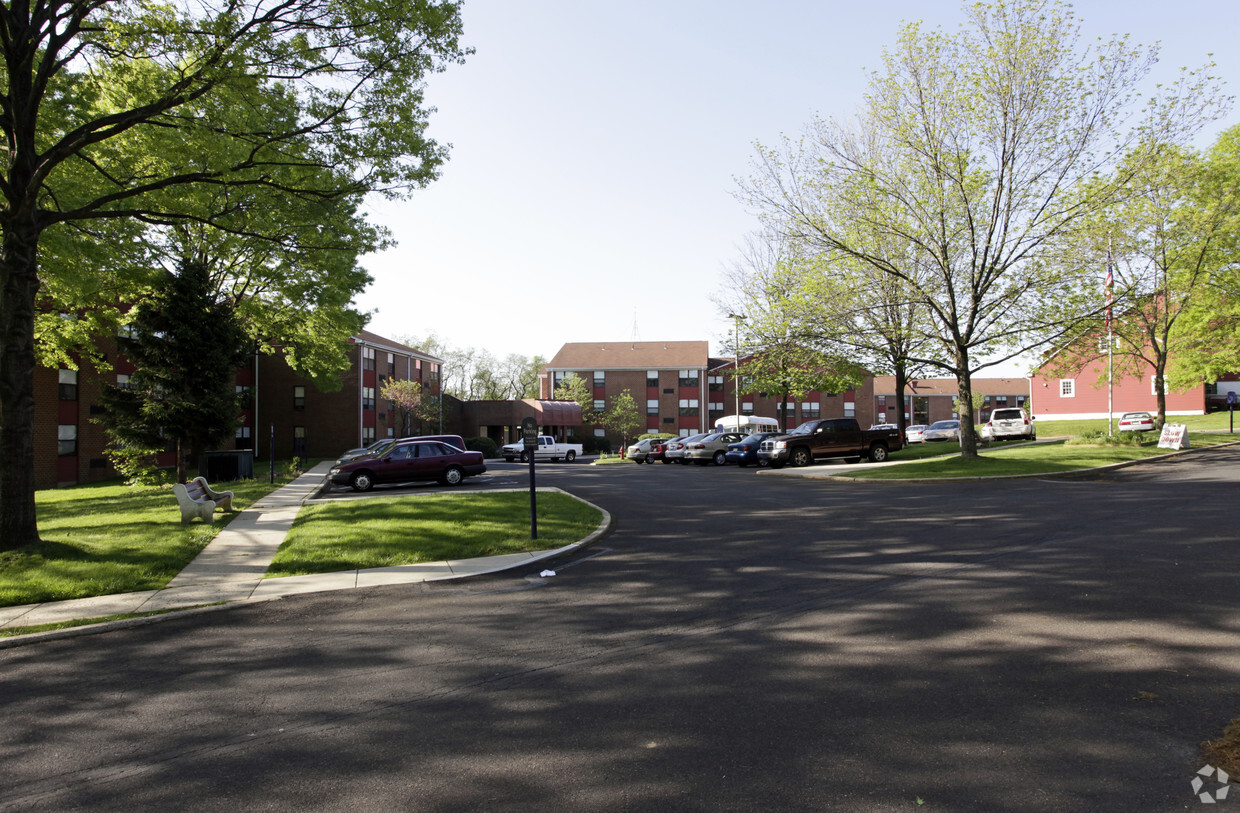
(555, 413)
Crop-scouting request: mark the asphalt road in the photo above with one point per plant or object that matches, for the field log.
(740, 642)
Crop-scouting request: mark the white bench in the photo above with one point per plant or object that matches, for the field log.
(197, 499)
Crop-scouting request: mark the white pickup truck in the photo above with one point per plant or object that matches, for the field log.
(547, 449)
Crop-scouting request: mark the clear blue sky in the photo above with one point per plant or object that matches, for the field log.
(596, 147)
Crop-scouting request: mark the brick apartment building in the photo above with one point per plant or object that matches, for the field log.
(283, 410)
(682, 389)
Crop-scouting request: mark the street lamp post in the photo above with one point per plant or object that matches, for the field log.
(736, 366)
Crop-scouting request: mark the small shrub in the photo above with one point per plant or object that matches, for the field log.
(293, 468)
(1099, 437)
(482, 444)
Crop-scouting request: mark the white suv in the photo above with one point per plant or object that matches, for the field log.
(1008, 423)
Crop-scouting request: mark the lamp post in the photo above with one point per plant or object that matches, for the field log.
(736, 366)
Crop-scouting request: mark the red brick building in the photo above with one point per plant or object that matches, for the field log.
(682, 390)
(284, 411)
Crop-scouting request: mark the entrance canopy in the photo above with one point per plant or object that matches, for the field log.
(554, 413)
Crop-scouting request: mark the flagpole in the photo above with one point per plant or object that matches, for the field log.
(1110, 283)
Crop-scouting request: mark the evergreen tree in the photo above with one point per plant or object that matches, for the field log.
(186, 345)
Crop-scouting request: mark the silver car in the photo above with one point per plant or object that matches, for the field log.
(942, 430)
(639, 452)
(711, 448)
(676, 448)
(1009, 423)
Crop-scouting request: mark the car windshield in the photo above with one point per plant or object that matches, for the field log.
(805, 428)
(945, 424)
(1136, 415)
(1005, 414)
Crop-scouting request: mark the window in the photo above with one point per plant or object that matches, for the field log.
(600, 433)
(810, 410)
(716, 406)
(599, 405)
(714, 383)
(652, 406)
(557, 379)
(127, 332)
(652, 378)
(688, 378)
(746, 407)
(850, 409)
(368, 435)
(243, 432)
(368, 397)
(600, 378)
(68, 385)
(1001, 401)
(391, 364)
(123, 382)
(1067, 388)
(244, 396)
(1020, 400)
(688, 407)
(66, 439)
(882, 402)
(299, 398)
(245, 438)
(434, 372)
(368, 358)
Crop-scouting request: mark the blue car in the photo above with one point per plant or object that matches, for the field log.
(745, 452)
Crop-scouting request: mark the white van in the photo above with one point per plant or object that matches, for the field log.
(747, 424)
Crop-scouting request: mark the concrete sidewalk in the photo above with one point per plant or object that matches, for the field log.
(231, 567)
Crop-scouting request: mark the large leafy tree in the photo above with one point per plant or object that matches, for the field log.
(107, 107)
(973, 149)
(186, 345)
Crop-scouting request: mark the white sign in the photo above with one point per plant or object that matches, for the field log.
(1174, 436)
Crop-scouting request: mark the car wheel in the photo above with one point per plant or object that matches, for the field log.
(362, 481)
(453, 476)
(525, 457)
(801, 457)
(878, 453)
(570, 456)
(721, 458)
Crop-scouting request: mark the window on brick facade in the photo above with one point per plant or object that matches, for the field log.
(747, 407)
(245, 397)
(368, 435)
(368, 397)
(368, 358)
(810, 410)
(652, 406)
(600, 378)
(688, 378)
(123, 382)
(599, 405)
(652, 378)
(714, 383)
(299, 398)
(688, 407)
(850, 409)
(66, 439)
(68, 385)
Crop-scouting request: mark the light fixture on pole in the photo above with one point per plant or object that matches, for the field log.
(736, 365)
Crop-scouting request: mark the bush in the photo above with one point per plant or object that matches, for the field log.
(1099, 437)
(655, 435)
(488, 447)
(594, 445)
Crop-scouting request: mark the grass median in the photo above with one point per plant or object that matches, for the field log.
(413, 529)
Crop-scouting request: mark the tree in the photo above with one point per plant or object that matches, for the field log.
(102, 102)
(622, 417)
(573, 387)
(409, 401)
(1166, 238)
(186, 346)
(974, 150)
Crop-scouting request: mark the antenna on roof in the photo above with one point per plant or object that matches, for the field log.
(636, 336)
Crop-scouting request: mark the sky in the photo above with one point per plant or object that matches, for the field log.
(597, 149)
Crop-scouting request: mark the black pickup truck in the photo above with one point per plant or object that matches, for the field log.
(827, 438)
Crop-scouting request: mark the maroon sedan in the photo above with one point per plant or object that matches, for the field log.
(406, 462)
(658, 451)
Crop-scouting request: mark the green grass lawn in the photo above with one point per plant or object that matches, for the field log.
(109, 538)
(389, 531)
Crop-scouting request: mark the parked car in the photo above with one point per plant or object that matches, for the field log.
(914, 433)
(407, 461)
(548, 448)
(712, 448)
(1136, 422)
(676, 449)
(745, 451)
(639, 452)
(659, 451)
(829, 438)
(1009, 423)
(380, 445)
(942, 430)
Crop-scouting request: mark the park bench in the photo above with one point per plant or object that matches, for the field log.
(197, 499)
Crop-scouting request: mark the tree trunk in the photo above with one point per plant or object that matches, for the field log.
(964, 392)
(19, 286)
(901, 384)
